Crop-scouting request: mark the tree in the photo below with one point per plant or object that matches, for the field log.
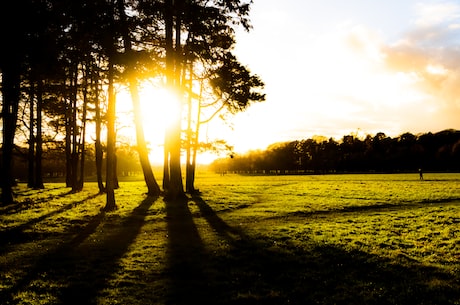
(110, 173)
(152, 185)
(15, 25)
(172, 175)
(99, 154)
(234, 88)
(110, 47)
(38, 179)
(182, 32)
(203, 32)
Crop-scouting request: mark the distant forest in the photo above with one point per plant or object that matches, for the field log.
(379, 153)
(53, 165)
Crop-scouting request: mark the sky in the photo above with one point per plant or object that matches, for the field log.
(334, 67)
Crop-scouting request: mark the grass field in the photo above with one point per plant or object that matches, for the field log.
(331, 239)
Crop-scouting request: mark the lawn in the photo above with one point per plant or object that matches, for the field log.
(319, 239)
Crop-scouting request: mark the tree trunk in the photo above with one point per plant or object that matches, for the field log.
(194, 138)
(68, 143)
(189, 172)
(153, 188)
(31, 154)
(194, 152)
(110, 176)
(98, 145)
(192, 165)
(166, 163)
(39, 139)
(168, 16)
(174, 186)
(116, 185)
(74, 146)
(81, 178)
(10, 102)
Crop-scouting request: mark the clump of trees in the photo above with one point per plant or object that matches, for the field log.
(62, 61)
(379, 153)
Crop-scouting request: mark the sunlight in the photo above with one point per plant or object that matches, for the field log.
(159, 107)
(159, 104)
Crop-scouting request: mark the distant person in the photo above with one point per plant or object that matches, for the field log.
(420, 172)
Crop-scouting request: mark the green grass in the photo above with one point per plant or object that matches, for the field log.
(332, 239)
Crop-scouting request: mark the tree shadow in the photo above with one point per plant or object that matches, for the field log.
(18, 235)
(259, 270)
(405, 206)
(185, 254)
(46, 262)
(27, 203)
(210, 261)
(83, 269)
(84, 285)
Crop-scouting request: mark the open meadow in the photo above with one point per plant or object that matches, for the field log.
(319, 239)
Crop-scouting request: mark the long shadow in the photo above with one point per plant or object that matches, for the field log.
(83, 270)
(19, 206)
(259, 270)
(374, 208)
(84, 285)
(217, 224)
(186, 255)
(44, 263)
(16, 235)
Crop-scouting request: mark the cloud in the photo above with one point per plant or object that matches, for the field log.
(429, 52)
(365, 41)
(436, 13)
(416, 84)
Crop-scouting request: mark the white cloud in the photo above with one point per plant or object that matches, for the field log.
(429, 14)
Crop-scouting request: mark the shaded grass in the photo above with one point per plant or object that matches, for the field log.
(345, 239)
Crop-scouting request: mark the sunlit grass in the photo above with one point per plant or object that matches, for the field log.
(367, 239)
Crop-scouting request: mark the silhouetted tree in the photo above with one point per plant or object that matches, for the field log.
(130, 54)
(16, 25)
(408, 152)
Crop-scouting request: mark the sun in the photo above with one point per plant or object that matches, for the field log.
(159, 109)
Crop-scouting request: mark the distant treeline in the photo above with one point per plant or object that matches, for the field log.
(54, 163)
(379, 153)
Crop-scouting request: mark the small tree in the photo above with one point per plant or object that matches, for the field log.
(234, 88)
